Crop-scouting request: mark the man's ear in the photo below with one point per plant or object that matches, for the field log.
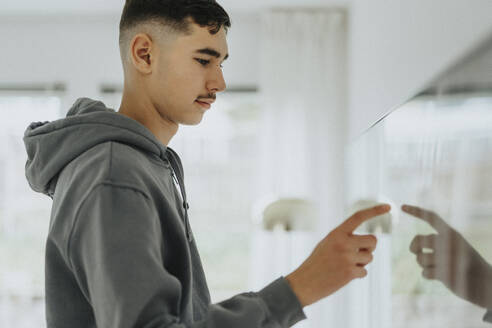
(141, 49)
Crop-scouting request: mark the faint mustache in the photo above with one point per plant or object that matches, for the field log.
(212, 96)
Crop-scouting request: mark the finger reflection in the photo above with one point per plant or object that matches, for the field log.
(451, 260)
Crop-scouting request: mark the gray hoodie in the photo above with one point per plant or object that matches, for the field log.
(120, 251)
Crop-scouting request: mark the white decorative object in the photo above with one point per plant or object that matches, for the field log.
(290, 214)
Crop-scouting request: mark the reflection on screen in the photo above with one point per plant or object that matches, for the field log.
(435, 154)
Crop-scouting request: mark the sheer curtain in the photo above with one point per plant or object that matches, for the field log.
(303, 128)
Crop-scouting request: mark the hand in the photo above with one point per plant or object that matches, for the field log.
(337, 259)
(453, 261)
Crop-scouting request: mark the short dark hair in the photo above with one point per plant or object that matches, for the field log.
(174, 14)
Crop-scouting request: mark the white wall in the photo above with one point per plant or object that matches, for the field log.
(82, 51)
(397, 47)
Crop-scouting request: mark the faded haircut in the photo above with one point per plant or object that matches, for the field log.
(168, 19)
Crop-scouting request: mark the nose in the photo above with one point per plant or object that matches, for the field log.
(217, 82)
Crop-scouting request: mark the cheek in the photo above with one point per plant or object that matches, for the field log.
(179, 84)
(189, 83)
(167, 82)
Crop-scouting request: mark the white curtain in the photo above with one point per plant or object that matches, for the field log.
(303, 84)
(304, 92)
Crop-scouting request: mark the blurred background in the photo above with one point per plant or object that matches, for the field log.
(330, 106)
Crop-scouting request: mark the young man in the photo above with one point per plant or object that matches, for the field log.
(120, 250)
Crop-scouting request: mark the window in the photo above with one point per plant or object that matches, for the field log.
(436, 153)
(24, 215)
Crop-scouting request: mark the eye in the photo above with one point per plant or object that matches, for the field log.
(204, 62)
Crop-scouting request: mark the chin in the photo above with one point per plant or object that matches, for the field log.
(193, 121)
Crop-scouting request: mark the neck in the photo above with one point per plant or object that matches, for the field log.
(144, 112)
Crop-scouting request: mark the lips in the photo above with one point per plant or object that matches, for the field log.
(203, 104)
(206, 101)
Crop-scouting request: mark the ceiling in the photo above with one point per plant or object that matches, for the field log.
(113, 7)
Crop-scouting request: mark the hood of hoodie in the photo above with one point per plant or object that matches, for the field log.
(52, 145)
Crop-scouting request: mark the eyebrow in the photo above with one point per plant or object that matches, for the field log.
(211, 52)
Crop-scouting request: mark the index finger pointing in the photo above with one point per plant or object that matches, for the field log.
(428, 216)
(360, 217)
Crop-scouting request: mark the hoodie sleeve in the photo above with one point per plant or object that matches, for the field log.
(115, 253)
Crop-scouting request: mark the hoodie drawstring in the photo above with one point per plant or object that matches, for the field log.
(177, 174)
